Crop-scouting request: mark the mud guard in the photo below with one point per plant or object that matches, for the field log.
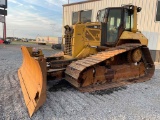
(32, 75)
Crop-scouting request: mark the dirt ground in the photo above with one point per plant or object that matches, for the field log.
(139, 101)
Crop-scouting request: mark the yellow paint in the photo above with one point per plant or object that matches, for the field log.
(86, 52)
(85, 39)
(126, 35)
(134, 29)
(32, 76)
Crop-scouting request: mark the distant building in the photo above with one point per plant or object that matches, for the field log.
(48, 39)
(148, 18)
(11, 38)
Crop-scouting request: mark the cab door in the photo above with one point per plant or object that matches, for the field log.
(114, 25)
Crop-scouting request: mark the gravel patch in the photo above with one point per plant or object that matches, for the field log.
(133, 102)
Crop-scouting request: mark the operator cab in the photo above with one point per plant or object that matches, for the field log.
(114, 22)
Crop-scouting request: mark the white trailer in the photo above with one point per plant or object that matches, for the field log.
(48, 39)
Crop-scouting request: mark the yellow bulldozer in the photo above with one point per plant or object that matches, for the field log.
(108, 53)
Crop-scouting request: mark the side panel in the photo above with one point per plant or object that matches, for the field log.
(85, 38)
(126, 35)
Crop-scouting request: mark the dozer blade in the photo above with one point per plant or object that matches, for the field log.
(32, 75)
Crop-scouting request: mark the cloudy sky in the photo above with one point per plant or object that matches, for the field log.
(32, 18)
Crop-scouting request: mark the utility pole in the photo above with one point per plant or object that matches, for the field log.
(13, 32)
(68, 1)
(4, 27)
(3, 4)
(52, 26)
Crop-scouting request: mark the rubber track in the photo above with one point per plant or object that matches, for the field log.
(75, 69)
